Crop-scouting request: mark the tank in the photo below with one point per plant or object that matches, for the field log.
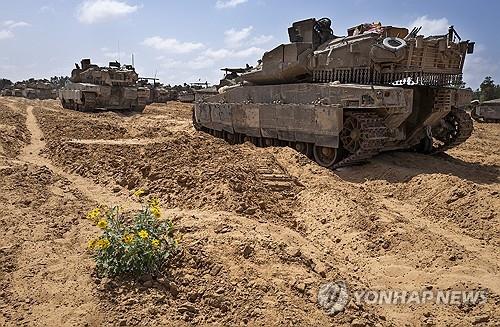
(186, 96)
(113, 88)
(486, 112)
(32, 89)
(343, 99)
(196, 92)
(158, 93)
(232, 76)
(39, 89)
(8, 91)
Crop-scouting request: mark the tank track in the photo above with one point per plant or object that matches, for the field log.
(90, 102)
(464, 130)
(374, 133)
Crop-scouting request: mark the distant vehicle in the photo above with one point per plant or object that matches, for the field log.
(196, 91)
(344, 99)
(115, 87)
(32, 89)
(232, 76)
(486, 112)
(159, 93)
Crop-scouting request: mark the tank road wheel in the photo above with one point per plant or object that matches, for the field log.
(229, 137)
(351, 135)
(65, 104)
(240, 138)
(425, 145)
(255, 141)
(302, 147)
(266, 141)
(455, 128)
(252, 139)
(139, 108)
(218, 134)
(326, 156)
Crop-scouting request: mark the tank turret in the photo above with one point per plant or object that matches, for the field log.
(368, 54)
(113, 75)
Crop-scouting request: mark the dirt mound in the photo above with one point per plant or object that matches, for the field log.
(173, 110)
(186, 171)
(156, 121)
(474, 208)
(13, 132)
(68, 124)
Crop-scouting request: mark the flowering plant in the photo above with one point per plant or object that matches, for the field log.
(136, 247)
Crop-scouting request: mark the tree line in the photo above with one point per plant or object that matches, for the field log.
(488, 90)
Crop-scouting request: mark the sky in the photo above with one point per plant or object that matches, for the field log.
(191, 40)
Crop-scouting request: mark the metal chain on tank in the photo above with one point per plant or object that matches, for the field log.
(374, 133)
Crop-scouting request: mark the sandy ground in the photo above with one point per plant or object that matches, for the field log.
(262, 229)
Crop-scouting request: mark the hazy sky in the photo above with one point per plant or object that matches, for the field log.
(190, 40)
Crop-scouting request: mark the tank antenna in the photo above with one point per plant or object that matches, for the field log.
(119, 54)
(133, 60)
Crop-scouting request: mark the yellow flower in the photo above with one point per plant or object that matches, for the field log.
(143, 234)
(94, 214)
(155, 243)
(128, 238)
(140, 192)
(105, 243)
(103, 223)
(154, 207)
(102, 243)
(154, 202)
(91, 244)
(155, 211)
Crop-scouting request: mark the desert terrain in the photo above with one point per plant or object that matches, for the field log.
(262, 228)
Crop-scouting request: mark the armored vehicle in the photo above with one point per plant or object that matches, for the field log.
(114, 87)
(196, 92)
(344, 99)
(186, 96)
(232, 76)
(158, 93)
(32, 89)
(486, 112)
(163, 94)
(39, 89)
(8, 91)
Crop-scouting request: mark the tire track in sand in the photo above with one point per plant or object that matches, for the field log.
(31, 154)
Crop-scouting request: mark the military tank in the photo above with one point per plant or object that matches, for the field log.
(92, 87)
(32, 89)
(486, 112)
(232, 76)
(39, 89)
(343, 99)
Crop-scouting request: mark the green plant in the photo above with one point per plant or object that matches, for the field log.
(136, 246)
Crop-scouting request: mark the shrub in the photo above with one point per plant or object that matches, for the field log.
(135, 246)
